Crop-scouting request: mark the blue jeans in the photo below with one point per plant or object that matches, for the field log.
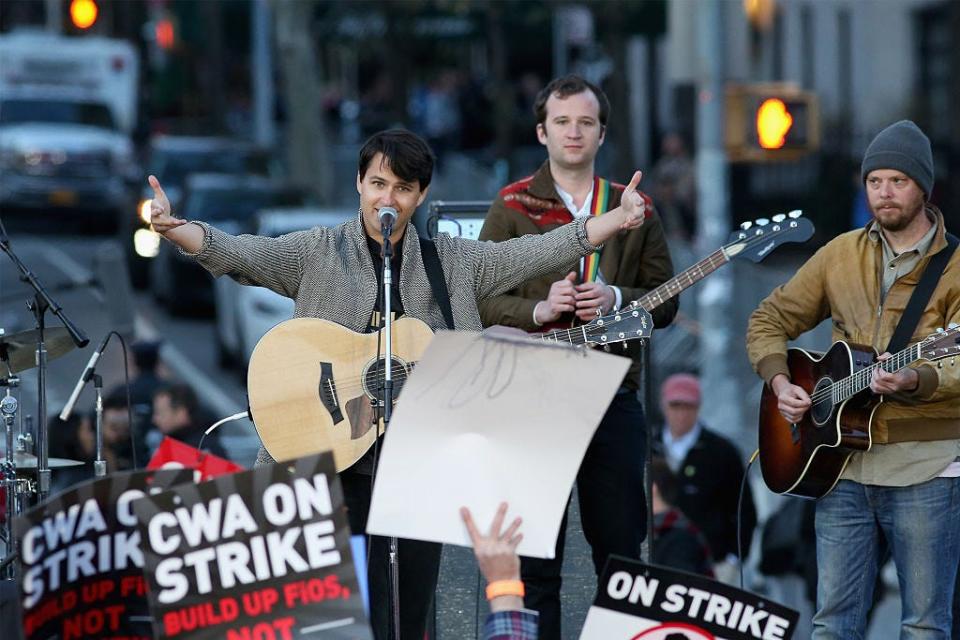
(922, 526)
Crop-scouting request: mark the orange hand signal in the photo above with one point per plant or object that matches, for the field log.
(773, 123)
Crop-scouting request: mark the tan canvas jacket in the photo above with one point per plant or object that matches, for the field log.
(842, 281)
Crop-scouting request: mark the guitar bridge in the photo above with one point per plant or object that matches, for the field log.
(328, 393)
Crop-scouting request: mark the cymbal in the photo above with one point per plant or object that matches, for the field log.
(24, 460)
(21, 347)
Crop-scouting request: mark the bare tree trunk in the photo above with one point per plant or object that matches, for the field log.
(305, 139)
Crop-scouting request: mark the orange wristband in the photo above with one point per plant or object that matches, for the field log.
(499, 588)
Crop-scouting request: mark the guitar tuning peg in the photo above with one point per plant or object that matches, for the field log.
(746, 225)
(780, 217)
(953, 325)
(796, 213)
(939, 329)
(763, 221)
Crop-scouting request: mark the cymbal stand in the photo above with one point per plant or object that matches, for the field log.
(39, 306)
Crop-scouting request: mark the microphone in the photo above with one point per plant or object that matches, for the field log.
(388, 217)
(84, 379)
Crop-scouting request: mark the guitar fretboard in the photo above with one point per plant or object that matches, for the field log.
(688, 277)
(857, 382)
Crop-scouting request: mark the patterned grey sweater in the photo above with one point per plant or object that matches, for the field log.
(329, 272)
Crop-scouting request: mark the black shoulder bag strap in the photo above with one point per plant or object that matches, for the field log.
(921, 295)
(431, 262)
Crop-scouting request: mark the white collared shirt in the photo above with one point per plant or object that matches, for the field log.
(584, 212)
(676, 449)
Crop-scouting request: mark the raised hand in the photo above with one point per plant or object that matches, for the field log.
(633, 204)
(161, 218)
(496, 552)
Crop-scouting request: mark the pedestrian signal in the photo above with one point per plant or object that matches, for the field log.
(770, 123)
(83, 13)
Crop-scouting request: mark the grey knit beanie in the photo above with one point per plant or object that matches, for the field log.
(904, 147)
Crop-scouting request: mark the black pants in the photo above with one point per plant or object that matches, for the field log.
(419, 565)
(612, 507)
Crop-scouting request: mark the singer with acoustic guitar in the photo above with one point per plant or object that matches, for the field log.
(875, 438)
(334, 274)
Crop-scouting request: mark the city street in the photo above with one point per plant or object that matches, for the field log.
(70, 265)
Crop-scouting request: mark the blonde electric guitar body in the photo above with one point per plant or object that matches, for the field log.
(312, 385)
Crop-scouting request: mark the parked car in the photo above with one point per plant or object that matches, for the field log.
(228, 202)
(67, 110)
(245, 313)
(172, 159)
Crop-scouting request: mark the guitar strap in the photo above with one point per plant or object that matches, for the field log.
(431, 262)
(921, 295)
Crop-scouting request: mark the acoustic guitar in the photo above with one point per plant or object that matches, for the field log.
(313, 385)
(806, 459)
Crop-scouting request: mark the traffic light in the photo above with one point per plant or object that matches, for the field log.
(770, 122)
(83, 13)
(164, 33)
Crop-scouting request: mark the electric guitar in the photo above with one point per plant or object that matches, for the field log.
(313, 384)
(806, 459)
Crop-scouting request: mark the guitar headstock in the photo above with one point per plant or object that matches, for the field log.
(630, 323)
(755, 240)
(945, 343)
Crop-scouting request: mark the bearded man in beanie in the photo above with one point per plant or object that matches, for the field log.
(906, 487)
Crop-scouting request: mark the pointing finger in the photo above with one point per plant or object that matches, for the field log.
(158, 192)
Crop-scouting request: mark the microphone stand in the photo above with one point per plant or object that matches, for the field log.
(39, 306)
(386, 228)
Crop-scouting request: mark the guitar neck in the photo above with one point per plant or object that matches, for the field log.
(687, 278)
(854, 384)
(652, 299)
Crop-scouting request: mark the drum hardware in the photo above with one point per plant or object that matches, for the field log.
(8, 469)
(27, 463)
(41, 303)
(21, 347)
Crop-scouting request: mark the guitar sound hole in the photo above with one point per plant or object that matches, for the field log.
(821, 410)
(373, 377)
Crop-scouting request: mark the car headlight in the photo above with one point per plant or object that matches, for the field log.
(143, 211)
(146, 243)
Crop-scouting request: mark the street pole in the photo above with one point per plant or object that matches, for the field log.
(261, 75)
(54, 10)
(719, 344)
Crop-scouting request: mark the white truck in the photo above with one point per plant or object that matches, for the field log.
(68, 107)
